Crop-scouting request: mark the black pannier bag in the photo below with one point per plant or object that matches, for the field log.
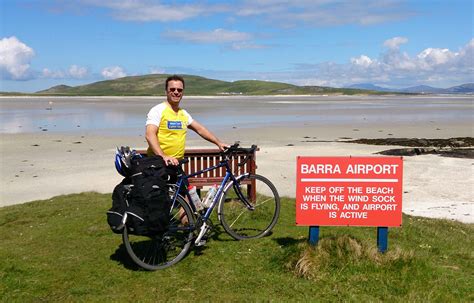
(147, 202)
(119, 205)
(156, 163)
(153, 165)
(123, 205)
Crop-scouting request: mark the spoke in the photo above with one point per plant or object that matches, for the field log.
(158, 252)
(258, 204)
(162, 252)
(154, 255)
(174, 217)
(242, 212)
(237, 218)
(145, 255)
(151, 255)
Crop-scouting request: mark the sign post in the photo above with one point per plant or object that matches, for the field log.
(349, 191)
(382, 239)
(313, 235)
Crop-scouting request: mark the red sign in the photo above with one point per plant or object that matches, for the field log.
(349, 191)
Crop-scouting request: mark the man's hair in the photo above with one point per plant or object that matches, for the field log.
(173, 78)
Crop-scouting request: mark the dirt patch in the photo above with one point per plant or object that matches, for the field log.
(461, 147)
(419, 142)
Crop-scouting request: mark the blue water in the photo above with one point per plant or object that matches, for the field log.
(126, 116)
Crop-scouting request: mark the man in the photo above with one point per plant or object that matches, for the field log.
(167, 124)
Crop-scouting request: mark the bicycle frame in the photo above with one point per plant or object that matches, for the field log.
(228, 176)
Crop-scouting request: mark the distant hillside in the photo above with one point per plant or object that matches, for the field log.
(369, 86)
(461, 89)
(423, 89)
(152, 85)
(467, 88)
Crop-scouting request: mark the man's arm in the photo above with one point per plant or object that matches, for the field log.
(206, 134)
(151, 136)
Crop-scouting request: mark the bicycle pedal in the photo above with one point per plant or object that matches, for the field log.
(200, 243)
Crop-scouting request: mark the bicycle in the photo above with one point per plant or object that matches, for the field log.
(248, 207)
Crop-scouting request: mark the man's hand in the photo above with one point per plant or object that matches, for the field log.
(170, 161)
(222, 146)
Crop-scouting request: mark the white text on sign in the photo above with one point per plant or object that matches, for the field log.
(355, 191)
(355, 169)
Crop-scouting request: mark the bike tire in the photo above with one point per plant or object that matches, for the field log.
(239, 221)
(165, 249)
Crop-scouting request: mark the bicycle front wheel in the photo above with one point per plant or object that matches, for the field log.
(256, 220)
(167, 248)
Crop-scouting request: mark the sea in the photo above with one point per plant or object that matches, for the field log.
(127, 115)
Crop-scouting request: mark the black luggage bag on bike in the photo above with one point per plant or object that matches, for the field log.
(119, 205)
(143, 197)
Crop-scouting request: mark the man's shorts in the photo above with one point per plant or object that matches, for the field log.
(173, 172)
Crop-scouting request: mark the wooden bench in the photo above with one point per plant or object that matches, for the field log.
(200, 159)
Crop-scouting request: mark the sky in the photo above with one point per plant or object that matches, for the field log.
(336, 43)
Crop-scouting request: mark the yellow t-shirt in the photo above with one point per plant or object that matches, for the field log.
(172, 128)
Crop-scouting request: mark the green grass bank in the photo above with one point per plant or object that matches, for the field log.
(61, 250)
(153, 85)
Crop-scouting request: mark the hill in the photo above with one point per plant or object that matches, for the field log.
(370, 86)
(58, 88)
(423, 89)
(467, 88)
(152, 85)
(461, 89)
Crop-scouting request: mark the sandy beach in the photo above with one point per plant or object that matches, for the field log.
(42, 164)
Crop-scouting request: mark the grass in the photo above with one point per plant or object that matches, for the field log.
(153, 85)
(62, 250)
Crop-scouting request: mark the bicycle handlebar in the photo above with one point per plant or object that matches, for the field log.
(183, 161)
(235, 148)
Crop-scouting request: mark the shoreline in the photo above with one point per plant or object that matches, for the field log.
(238, 96)
(70, 149)
(41, 166)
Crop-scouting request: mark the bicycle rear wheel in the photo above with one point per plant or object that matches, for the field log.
(167, 248)
(240, 221)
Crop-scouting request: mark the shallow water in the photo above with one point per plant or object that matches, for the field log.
(127, 115)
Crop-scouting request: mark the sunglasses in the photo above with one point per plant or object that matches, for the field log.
(173, 89)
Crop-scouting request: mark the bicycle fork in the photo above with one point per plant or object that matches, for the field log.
(242, 197)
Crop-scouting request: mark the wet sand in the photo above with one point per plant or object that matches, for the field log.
(42, 164)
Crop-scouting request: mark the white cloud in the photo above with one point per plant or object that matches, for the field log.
(246, 45)
(113, 72)
(436, 66)
(395, 42)
(74, 72)
(321, 13)
(234, 40)
(363, 61)
(146, 11)
(157, 70)
(396, 60)
(466, 57)
(15, 57)
(78, 72)
(392, 68)
(216, 36)
(47, 73)
(282, 13)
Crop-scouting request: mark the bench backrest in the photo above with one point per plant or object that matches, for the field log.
(200, 159)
